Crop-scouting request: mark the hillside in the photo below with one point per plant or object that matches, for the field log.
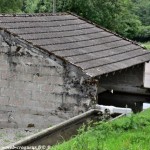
(127, 133)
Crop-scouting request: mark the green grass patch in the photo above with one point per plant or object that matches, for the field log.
(146, 44)
(127, 133)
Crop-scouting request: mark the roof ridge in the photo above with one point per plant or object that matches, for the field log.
(33, 14)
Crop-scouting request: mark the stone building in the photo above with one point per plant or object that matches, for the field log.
(54, 67)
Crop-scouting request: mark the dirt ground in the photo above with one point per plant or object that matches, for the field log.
(9, 136)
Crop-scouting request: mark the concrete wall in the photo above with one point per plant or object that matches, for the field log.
(36, 91)
(130, 80)
(124, 89)
(147, 75)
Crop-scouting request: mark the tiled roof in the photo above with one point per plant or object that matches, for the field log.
(94, 49)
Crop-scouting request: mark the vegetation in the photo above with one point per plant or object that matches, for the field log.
(128, 133)
(29, 6)
(10, 6)
(142, 10)
(147, 45)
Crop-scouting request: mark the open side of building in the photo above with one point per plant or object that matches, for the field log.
(54, 67)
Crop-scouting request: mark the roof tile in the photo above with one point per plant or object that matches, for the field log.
(96, 50)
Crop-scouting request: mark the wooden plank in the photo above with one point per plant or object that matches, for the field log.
(127, 89)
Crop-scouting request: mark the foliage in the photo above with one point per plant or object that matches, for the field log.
(144, 34)
(128, 133)
(142, 9)
(116, 16)
(29, 6)
(146, 44)
(44, 6)
(10, 6)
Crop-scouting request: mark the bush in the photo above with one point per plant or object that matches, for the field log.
(144, 34)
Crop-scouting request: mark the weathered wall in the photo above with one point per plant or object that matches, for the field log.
(36, 90)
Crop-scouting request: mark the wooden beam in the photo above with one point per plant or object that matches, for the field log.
(127, 89)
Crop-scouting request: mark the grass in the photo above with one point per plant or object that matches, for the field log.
(127, 133)
(147, 45)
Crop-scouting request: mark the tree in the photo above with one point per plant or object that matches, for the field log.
(10, 6)
(29, 6)
(117, 16)
(142, 10)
